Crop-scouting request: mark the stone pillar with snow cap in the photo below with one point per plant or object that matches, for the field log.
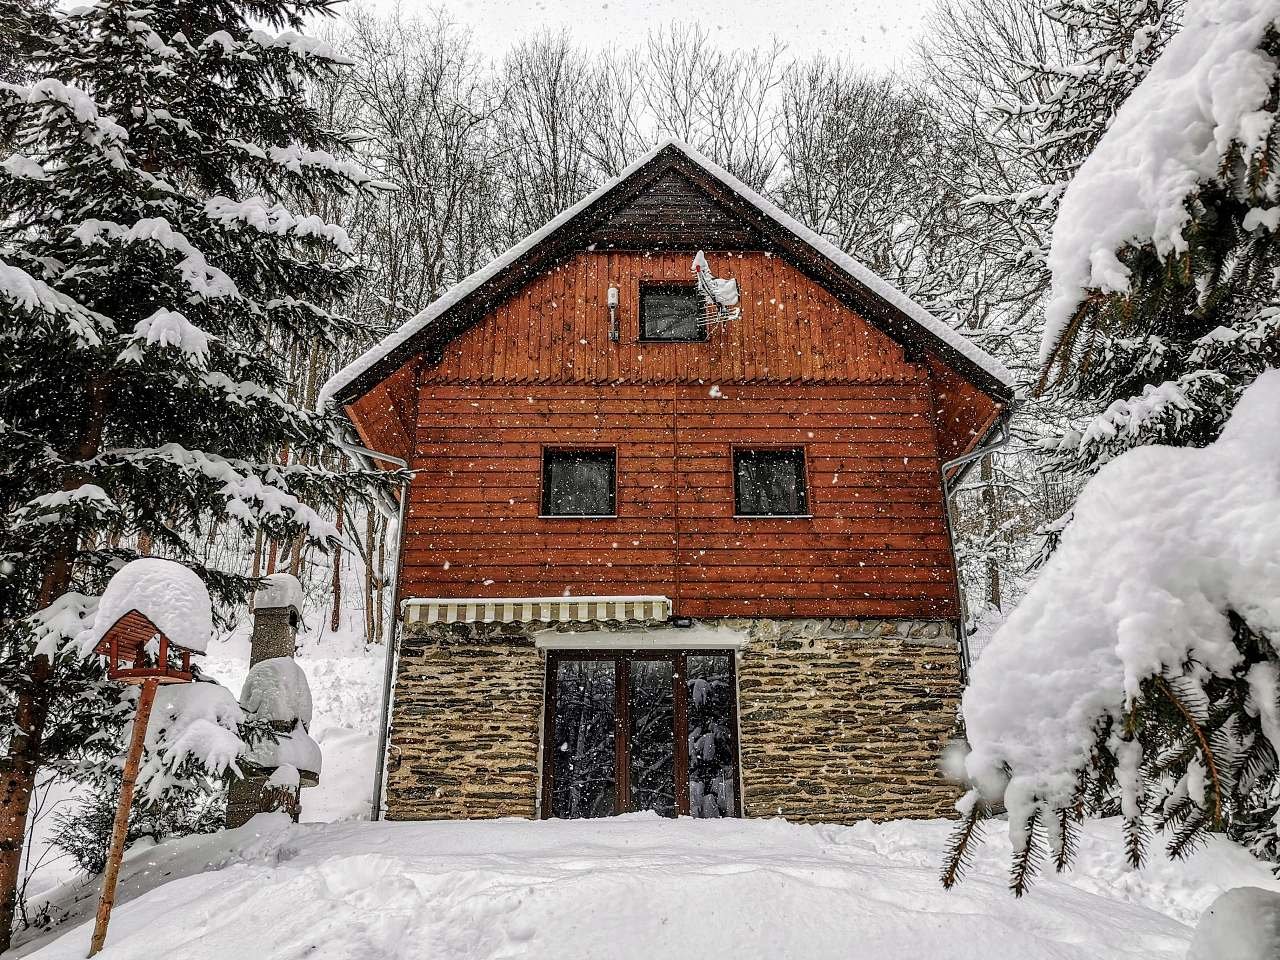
(276, 690)
(277, 615)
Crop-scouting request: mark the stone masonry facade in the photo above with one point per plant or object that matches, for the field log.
(840, 719)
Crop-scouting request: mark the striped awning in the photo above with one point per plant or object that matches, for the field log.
(534, 609)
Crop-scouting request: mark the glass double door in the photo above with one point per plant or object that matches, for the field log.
(636, 731)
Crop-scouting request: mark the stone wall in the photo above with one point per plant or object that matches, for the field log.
(840, 719)
(846, 719)
(465, 724)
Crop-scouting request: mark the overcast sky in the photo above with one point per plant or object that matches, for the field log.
(877, 33)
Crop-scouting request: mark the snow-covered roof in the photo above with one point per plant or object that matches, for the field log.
(931, 325)
(168, 594)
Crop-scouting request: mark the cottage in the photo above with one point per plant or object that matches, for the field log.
(677, 539)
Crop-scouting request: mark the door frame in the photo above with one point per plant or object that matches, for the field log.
(679, 660)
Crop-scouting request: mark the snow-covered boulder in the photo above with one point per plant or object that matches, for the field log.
(168, 594)
(1242, 924)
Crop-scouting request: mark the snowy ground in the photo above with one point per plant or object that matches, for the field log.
(637, 887)
(628, 887)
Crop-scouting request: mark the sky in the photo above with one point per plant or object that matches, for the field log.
(877, 34)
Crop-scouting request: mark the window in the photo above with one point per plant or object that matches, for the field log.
(672, 311)
(769, 483)
(632, 731)
(578, 483)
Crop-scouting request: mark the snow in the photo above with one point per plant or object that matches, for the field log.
(634, 888)
(293, 748)
(1164, 541)
(23, 168)
(882, 288)
(279, 590)
(190, 721)
(33, 295)
(277, 689)
(275, 218)
(1208, 90)
(167, 328)
(199, 276)
(1242, 924)
(721, 292)
(168, 594)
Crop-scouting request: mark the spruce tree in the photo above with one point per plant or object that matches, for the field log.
(1165, 306)
(156, 267)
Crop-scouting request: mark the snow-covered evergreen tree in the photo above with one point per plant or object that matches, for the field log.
(1161, 605)
(155, 266)
(1181, 311)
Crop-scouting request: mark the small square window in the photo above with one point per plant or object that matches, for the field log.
(769, 483)
(672, 311)
(578, 483)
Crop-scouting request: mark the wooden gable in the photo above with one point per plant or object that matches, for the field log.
(675, 213)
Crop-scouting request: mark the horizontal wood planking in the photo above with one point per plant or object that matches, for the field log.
(876, 543)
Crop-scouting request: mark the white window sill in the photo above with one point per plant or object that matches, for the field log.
(773, 516)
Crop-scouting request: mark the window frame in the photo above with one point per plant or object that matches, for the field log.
(652, 283)
(806, 494)
(550, 450)
(622, 659)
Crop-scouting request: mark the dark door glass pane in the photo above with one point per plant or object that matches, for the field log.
(770, 482)
(578, 483)
(651, 744)
(584, 778)
(672, 313)
(713, 775)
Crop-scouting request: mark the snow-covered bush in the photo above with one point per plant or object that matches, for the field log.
(1143, 667)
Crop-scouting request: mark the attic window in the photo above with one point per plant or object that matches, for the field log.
(672, 312)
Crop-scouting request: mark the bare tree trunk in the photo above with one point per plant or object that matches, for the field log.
(993, 522)
(369, 598)
(335, 618)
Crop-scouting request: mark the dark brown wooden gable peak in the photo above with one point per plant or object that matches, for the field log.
(675, 213)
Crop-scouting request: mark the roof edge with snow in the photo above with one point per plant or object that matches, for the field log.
(883, 302)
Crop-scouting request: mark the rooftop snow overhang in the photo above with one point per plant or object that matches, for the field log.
(469, 300)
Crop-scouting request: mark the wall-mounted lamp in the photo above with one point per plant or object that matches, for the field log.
(613, 314)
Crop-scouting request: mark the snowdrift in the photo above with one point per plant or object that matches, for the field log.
(638, 887)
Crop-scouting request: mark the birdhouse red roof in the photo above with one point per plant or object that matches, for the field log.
(137, 650)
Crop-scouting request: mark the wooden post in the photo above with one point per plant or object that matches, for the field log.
(120, 829)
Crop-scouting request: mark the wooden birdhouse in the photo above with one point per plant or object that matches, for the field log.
(137, 650)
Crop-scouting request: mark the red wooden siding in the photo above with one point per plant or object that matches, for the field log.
(875, 546)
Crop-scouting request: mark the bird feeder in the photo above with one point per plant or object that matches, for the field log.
(137, 651)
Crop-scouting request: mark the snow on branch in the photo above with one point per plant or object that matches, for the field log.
(248, 497)
(32, 295)
(190, 721)
(1167, 545)
(196, 272)
(167, 328)
(275, 218)
(1205, 96)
